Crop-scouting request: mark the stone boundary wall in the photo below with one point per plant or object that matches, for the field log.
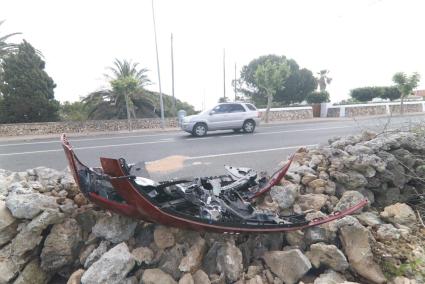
(371, 109)
(21, 129)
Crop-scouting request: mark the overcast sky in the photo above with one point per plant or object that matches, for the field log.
(362, 43)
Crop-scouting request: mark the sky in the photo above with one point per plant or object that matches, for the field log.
(361, 42)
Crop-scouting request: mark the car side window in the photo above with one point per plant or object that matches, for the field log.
(237, 108)
(251, 107)
(221, 109)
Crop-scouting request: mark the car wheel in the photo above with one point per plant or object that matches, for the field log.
(199, 130)
(237, 130)
(248, 126)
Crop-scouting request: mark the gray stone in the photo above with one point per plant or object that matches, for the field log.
(349, 199)
(49, 178)
(387, 232)
(229, 261)
(96, 254)
(30, 234)
(355, 241)
(163, 237)
(112, 267)
(8, 266)
(328, 256)
(312, 201)
(399, 213)
(33, 274)
(61, 245)
(8, 224)
(171, 258)
(296, 239)
(329, 277)
(115, 229)
(156, 276)
(350, 179)
(193, 259)
(200, 277)
(369, 219)
(285, 195)
(307, 178)
(142, 255)
(75, 277)
(85, 252)
(389, 196)
(289, 265)
(29, 205)
(186, 279)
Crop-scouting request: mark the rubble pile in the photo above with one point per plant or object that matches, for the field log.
(49, 233)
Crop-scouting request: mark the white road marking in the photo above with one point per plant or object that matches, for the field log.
(88, 139)
(302, 130)
(88, 147)
(250, 152)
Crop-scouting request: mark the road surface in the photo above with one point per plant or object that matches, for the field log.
(184, 155)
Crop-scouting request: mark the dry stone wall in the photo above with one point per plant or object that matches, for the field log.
(50, 233)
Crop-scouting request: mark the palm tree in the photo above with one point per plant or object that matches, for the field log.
(405, 84)
(6, 48)
(323, 79)
(127, 84)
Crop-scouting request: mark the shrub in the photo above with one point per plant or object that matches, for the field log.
(366, 94)
(391, 93)
(318, 97)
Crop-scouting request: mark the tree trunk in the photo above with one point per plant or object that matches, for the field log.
(128, 112)
(401, 105)
(269, 104)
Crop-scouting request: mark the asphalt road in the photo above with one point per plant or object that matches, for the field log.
(188, 156)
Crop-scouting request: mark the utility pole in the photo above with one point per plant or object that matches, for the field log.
(128, 112)
(159, 75)
(235, 81)
(172, 75)
(224, 74)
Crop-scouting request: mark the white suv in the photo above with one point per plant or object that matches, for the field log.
(236, 116)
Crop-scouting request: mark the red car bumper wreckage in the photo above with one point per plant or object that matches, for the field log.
(218, 203)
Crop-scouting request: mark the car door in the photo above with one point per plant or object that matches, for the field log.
(218, 117)
(236, 116)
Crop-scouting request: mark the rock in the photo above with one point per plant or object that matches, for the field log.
(349, 199)
(29, 205)
(115, 229)
(187, 279)
(256, 280)
(317, 185)
(312, 201)
(80, 199)
(33, 274)
(200, 277)
(387, 232)
(49, 178)
(399, 213)
(389, 196)
(307, 178)
(142, 255)
(30, 234)
(369, 219)
(96, 254)
(289, 265)
(112, 267)
(163, 237)
(130, 280)
(8, 224)
(171, 258)
(229, 261)
(193, 259)
(403, 280)
(9, 268)
(75, 277)
(296, 239)
(61, 245)
(355, 241)
(293, 177)
(328, 256)
(209, 263)
(156, 276)
(253, 270)
(284, 195)
(85, 252)
(329, 277)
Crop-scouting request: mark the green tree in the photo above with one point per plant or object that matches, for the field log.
(323, 79)
(318, 97)
(366, 94)
(6, 48)
(297, 86)
(405, 84)
(391, 93)
(27, 89)
(127, 81)
(270, 77)
(76, 111)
